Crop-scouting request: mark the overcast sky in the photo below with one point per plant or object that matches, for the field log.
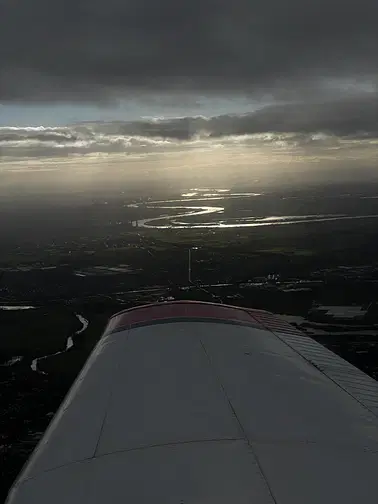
(87, 52)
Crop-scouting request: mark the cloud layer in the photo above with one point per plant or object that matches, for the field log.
(305, 126)
(94, 49)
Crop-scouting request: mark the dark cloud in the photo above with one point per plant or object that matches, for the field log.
(94, 49)
(352, 117)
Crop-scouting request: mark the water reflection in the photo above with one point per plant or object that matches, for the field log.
(165, 221)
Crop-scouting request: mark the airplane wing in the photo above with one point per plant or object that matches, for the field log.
(199, 403)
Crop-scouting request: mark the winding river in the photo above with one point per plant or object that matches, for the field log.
(182, 220)
(69, 344)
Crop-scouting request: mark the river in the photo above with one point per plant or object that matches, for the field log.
(69, 344)
(183, 219)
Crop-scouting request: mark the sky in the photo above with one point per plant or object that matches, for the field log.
(96, 51)
(299, 77)
(157, 105)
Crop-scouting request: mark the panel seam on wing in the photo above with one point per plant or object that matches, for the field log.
(262, 472)
(108, 402)
(324, 370)
(130, 450)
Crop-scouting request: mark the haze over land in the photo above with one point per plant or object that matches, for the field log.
(327, 141)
